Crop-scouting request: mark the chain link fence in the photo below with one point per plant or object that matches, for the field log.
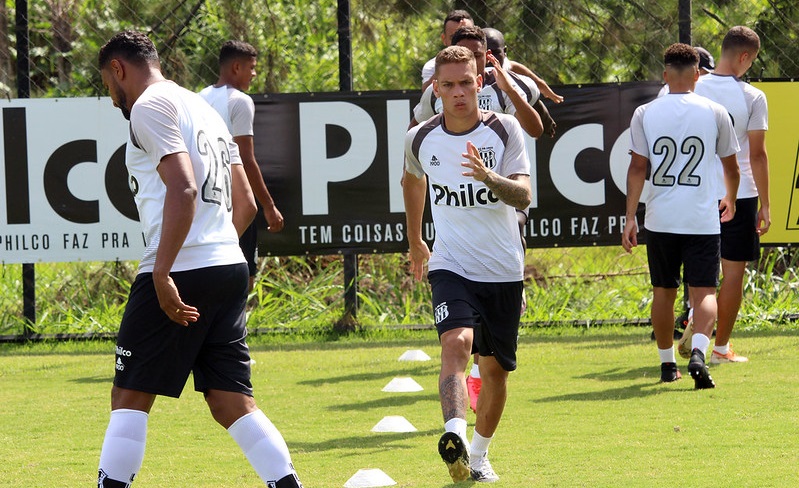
(565, 42)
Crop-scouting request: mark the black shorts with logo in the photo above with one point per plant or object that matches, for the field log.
(156, 355)
(739, 239)
(491, 309)
(699, 254)
(248, 242)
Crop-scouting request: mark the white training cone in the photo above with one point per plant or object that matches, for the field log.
(402, 385)
(414, 355)
(366, 478)
(394, 423)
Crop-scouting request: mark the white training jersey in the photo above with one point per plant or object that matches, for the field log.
(477, 235)
(236, 108)
(428, 69)
(748, 109)
(168, 119)
(681, 134)
(490, 97)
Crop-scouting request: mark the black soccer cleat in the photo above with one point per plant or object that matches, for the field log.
(699, 371)
(669, 372)
(455, 455)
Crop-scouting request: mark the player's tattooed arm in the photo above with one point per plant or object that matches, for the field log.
(514, 190)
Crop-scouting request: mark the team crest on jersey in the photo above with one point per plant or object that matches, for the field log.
(488, 156)
(484, 101)
(434, 161)
(441, 312)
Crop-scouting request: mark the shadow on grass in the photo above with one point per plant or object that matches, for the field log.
(370, 441)
(415, 369)
(623, 393)
(392, 401)
(88, 380)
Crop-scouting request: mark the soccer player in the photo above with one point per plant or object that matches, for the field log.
(501, 92)
(478, 170)
(740, 238)
(678, 136)
(498, 91)
(237, 62)
(185, 311)
(706, 66)
(452, 22)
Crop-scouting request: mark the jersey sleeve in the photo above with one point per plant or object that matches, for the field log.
(412, 164)
(428, 69)
(242, 112)
(727, 142)
(515, 160)
(638, 142)
(528, 87)
(759, 118)
(424, 109)
(154, 123)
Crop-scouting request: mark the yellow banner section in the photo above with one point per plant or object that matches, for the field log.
(782, 143)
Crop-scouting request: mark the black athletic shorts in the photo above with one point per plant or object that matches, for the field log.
(739, 239)
(248, 242)
(156, 355)
(491, 309)
(699, 254)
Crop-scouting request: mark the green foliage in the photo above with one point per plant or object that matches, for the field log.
(566, 42)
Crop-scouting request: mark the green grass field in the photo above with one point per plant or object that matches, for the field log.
(585, 409)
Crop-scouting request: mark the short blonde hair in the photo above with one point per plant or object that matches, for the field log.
(455, 54)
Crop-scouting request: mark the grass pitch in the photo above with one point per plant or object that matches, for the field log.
(585, 409)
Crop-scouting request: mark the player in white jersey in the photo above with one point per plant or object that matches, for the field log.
(452, 22)
(678, 136)
(499, 92)
(237, 61)
(185, 311)
(477, 167)
(740, 238)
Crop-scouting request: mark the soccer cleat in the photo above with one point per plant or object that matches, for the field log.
(473, 386)
(669, 372)
(482, 471)
(730, 357)
(455, 455)
(684, 344)
(699, 371)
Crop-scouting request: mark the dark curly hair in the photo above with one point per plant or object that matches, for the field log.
(232, 50)
(680, 55)
(132, 46)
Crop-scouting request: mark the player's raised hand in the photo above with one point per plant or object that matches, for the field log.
(474, 162)
(503, 80)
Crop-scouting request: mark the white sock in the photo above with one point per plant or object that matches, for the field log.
(722, 349)
(458, 426)
(690, 314)
(263, 445)
(667, 355)
(479, 448)
(475, 372)
(700, 341)
(123, 446)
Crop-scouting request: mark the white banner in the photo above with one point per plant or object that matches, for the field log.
(63, 185)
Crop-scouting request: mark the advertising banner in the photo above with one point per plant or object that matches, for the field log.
(333, 163)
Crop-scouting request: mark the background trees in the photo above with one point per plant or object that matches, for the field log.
(567, 42)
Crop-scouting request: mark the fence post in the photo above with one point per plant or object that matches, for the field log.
(684, 16)
(24, 91)
(348, 321)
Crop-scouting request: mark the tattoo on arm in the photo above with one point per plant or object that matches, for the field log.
(453, 398)
(509, 191)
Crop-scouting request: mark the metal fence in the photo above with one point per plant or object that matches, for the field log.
(565, 42)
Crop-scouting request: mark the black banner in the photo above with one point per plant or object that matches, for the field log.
(333, 163)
